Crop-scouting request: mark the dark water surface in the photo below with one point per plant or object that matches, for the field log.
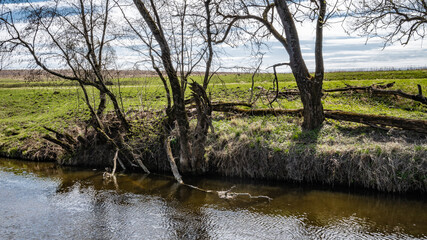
(43, 201)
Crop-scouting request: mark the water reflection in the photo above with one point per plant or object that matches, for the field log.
(41, 200)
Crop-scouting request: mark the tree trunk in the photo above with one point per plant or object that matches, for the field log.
(311, 94)
(309, 87)
(102, 103)
(178, 96)
(209, 42)
(204, 111)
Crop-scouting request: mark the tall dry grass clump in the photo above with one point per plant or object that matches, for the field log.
(390, 162)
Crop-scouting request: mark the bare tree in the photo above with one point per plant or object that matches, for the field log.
(75, 36)
(278, 18)
(71, 35)
(177, 49)
(393, 21)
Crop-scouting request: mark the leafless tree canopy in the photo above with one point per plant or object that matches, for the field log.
(74, 35)
(261, 19)
(392, 20)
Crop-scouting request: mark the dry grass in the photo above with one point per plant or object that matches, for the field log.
(338, 154)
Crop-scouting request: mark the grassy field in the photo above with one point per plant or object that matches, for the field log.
(27, 106)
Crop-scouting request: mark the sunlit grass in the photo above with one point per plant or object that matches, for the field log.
(27, 106)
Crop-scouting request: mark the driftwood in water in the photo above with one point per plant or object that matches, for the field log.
(372, 120)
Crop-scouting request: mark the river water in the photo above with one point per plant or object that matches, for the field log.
(44, 201)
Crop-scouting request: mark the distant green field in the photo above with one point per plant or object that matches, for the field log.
(222, 78)
(26, 106)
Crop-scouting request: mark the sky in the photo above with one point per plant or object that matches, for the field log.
(342, 52)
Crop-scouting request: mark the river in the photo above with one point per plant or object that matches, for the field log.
(45, 201)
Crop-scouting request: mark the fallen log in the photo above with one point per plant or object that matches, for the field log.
(419, 98)
(403, 123)
(371, 120)
(231, 104)
(363, 88)
(374, 89)
(258, 112)
(295, 92)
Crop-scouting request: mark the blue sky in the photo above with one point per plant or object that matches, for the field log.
(341, 52)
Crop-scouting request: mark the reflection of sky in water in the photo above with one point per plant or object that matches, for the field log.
(42, 202)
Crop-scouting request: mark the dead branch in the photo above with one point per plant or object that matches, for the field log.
(253, 78)
(403, 123)
(260, 112)
(66, 146)
(419, 98)
(349, 88)
(219, 105)
(138, 160)
(61, 136)
(228, 194)
(115, 162)
(374, 89)
(380, 121)
(174, 168)
(276, 81)
(122, 165)
(111, 175)
(380, 90)
(361, 88)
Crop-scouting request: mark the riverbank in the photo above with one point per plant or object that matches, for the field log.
(275, 148)
(260, 147)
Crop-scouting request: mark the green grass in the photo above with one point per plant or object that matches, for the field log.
(27, 106)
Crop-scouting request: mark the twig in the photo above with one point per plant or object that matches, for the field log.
(253, 80)
(276, 80)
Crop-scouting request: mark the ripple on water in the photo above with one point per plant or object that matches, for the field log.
(64, 204)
